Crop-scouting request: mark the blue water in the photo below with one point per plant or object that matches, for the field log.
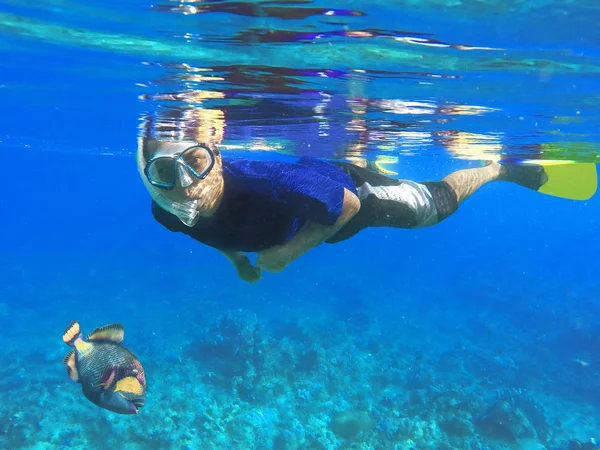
(479, 332)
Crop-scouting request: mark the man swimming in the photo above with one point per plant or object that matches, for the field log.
(281, 210)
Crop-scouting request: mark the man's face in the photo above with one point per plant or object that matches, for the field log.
(187, 187)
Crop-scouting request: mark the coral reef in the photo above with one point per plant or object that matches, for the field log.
(239, 381)
(513, 415)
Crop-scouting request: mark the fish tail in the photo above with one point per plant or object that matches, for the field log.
(72, 333)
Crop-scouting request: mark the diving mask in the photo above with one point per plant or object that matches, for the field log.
(161, 173)
(194, 162)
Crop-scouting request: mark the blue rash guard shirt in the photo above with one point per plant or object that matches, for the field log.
(265, 203)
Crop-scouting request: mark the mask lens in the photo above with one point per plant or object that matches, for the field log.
(161, 172)
(199, 160)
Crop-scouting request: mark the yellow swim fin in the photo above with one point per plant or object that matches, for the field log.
(384, 160)
(568, 179)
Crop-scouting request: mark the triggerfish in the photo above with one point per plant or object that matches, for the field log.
(110, 375)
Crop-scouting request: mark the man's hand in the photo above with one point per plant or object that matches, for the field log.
(245, 270)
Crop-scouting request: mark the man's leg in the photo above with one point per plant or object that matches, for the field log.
(465, 182)
(388, 202)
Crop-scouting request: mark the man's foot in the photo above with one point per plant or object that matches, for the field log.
(531, 176)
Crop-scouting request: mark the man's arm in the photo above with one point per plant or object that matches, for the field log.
(245, 270)
(275, 259)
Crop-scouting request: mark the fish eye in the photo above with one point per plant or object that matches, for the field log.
(134, 372)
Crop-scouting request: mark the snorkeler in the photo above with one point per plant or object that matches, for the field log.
(281, 210)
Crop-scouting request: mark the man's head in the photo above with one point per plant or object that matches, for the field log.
(183, 177)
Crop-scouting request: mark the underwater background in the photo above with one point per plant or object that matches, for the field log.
(478, 333)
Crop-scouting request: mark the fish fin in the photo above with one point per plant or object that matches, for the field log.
(108, 378)
(566, 179)
(71, 364)
(72, 333)
(114, 332)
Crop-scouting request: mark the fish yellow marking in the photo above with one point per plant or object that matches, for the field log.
(130, 385)
(83, 347)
